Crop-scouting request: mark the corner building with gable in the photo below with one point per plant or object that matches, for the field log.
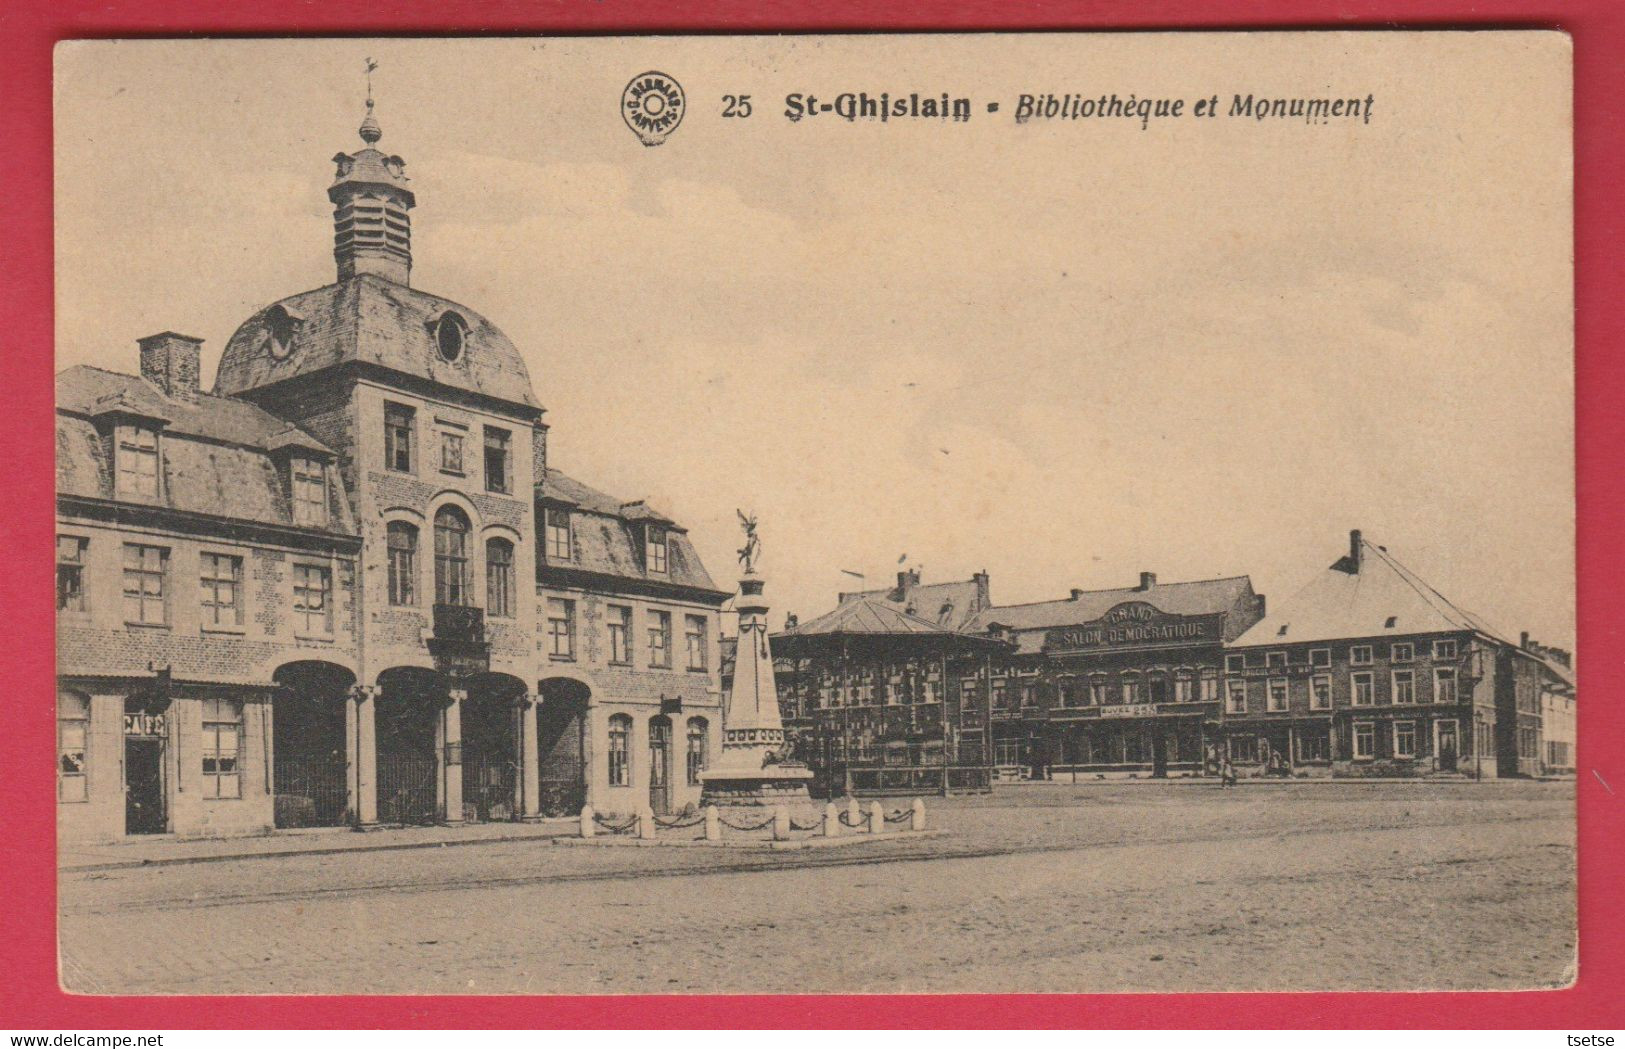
(406, 614)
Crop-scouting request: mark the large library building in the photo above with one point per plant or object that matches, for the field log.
(346, 587)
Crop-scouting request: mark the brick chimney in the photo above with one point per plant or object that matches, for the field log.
(538, 453)
(1076, 593)
(1354, 550)
(984, 590)
(1147, 581)
(908, 578)
(170, 362)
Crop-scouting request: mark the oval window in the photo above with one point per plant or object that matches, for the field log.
(279, 327)
(448, 334)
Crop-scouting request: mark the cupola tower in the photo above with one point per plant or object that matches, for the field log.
(372, 230)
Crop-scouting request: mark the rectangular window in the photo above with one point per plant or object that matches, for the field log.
(497, 468)
(1237, 700)
(1028, 696)
(1444, 649)
(451, 452)
(221, 579)
(1404, 652)
(72, 736)
(660, 639)
(309, 483)
(1244, 749)
(399, 426)
(312, 600)
(561, 628)
(1314, 743)
(1277, 694)
(1210, 686)
(1320, 657)
(1362, 692)
(70, 573)
(698, 638)
(1275, 660)
(1097, 692)
(619, 764)
(499, 578)
(1404, 687)
(560, 546)
(137, 462)
(1320, 692)
(1360, 655)
(146, 570)
(1156, 688)
(1444, 685)
(1131, 690)
(655, 550)
(1184, 689)
(1235, 664)
(1365, 740)
(620, 635)
(222, 739)
(1001, 695)
(403, 563)
(1404, 739)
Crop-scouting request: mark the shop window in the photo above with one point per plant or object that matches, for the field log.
(70, 573)
(660, 640)
(1320, 692)
(1362, 689)
(1134, 748)
(698, 730)
(1243, 749)
(403, 563)
(620, 751)
(1277, 695)
(697, 638)
(1314, 743)
(1365, 740)
(620, 634)
(222, 740)
(222, 585)
(498, 461)
(72, 740)
(1404, 687)
(146, 575)
(561, 628)
(560, 545)
(308, 480)
(451, 530)
(1404, 739)
(1444, 685)
(399, 429)
(137, 458)
(499, 578)
(312, 600)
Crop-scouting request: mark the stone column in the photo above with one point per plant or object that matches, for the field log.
(451, 756)
(363, 745)
(529, 802)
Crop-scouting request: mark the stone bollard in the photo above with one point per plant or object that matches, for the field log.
(916, 820)
(781, 823)
(646, 824)
(853, 812)
(587, 828)
(832, 820)
(877, 818)
(713, 824)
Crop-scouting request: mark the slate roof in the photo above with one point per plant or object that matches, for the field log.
(372, 320)
(216, 452)
(1194, 598)
(950, 605)
(608, 536)
(1344, 603)
(866, 616)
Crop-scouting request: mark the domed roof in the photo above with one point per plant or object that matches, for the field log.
(370, 320)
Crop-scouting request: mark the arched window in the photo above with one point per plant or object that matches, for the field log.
(450, 556)
(72, 738)
(620, 751)
(498, 577)
(403, 563)
(698, 731)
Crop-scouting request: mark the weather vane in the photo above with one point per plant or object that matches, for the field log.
(753, 543)
(371, 65)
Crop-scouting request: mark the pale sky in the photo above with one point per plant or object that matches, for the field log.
(1060, 352)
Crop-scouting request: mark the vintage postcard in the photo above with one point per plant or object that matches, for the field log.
(815, 514)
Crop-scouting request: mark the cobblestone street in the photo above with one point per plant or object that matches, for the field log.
(1039, 888)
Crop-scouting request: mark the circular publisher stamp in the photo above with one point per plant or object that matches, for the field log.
(652, 106)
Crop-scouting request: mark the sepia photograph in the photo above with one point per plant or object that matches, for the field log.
(1051, 513)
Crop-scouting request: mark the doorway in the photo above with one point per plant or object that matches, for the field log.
(144, 809)
(1159, 753)
(1446, 745)
(660, 765)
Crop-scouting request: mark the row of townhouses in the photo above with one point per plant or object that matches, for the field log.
(1365, 672)
(347, 586)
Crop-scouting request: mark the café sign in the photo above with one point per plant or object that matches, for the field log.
(143, 724)
(1135, 624)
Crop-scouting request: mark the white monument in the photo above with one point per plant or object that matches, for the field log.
(753, 770)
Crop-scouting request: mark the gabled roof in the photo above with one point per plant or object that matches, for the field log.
(370, 320)
(951, 605)
(604, 539)
(1198, 597)
(1375, 597)
(865, 616)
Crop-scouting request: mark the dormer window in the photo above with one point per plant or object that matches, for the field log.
(308, 481)
(137, 461)
(450, 332)
(279, 331)
(654, 549)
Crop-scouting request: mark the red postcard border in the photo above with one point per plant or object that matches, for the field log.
(29, 995)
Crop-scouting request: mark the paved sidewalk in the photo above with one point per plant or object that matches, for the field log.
(160, 850)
